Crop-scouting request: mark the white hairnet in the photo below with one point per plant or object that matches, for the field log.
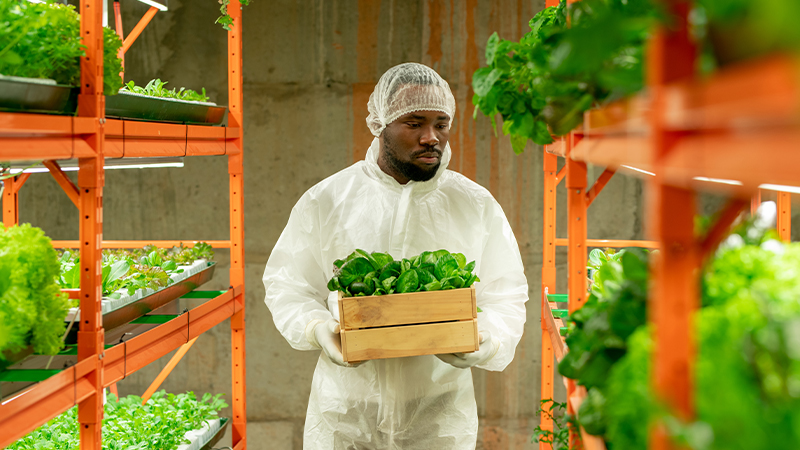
(406, 88)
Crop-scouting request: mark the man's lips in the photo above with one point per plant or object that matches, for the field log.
(429, 157)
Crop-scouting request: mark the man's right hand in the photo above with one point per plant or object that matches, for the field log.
(325, 335)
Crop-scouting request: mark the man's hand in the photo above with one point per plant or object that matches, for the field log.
(486, 350)
(325, 335)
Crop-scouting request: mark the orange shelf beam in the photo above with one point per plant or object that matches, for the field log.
(611, 243)
(140, 244)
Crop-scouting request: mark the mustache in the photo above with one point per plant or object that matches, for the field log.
(427, 151)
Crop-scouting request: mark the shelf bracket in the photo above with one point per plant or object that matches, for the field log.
(137, 30)
(721, 226)
(176, 358)
(66, 184)
(598, 186)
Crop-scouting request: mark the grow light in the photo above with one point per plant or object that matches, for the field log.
(780, 188)
(155, 4)
(719, 180)
(110, 164)
(638, 170)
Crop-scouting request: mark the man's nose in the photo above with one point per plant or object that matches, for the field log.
(428, 137)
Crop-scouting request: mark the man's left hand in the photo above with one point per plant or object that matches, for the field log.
(486, 350)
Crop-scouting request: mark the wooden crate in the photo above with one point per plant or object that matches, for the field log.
(398, 325)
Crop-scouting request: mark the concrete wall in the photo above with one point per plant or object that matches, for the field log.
(309, 68)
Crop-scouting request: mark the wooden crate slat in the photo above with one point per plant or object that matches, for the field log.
(410, 340)
(405, 309)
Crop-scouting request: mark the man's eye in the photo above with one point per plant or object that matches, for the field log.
(442, 126)
(412, 124)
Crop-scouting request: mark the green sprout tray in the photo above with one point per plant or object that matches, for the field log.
(127, 105)
(37, 96)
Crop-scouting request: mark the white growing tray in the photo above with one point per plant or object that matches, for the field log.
(112, 304)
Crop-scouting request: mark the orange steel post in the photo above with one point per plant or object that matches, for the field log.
(576, 182)
(785, 216)
(176, 358)
(611, 243)
(91, 339)
(235, 176)
(674, 296)
(10, 202)
(137, 30)
(548, 283)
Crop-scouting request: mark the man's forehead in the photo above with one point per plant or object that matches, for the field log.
(425, 115)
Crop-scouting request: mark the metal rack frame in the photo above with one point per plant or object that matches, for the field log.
(705, 132)
(91, 138)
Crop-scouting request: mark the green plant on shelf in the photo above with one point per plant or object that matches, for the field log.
(363, 273)
(32, 308)
(161, 423)
(42, 40)
(155, 88)
(133, 270)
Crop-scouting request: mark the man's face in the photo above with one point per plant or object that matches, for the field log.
(412, 145)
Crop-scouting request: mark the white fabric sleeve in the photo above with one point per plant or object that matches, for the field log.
(503, 289)
(294, 279)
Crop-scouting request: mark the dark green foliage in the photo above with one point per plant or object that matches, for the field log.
(599, 330)
(545, 82)
(43, 41)
(559, 437)
(363, 273)
(161, 423)
(32, 308)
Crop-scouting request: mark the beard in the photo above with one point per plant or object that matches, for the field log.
(406, 168)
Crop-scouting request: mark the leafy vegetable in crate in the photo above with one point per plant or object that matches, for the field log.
(161, 423)
(32, 308)
(363, 273)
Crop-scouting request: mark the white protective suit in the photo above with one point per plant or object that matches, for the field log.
(403, 403)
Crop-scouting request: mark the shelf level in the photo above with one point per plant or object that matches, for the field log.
(42, 136)
(742, 125)
(67, 388)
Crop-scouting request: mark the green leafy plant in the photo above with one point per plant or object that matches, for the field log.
(545, 82)
(363, 273)
(133, 270)
(225, 19)
(32, 308)
(558, 438)
(160, 423)
(39, 40)
(155, 88)
(598, 332)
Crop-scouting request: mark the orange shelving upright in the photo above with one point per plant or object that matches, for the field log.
(91, 138)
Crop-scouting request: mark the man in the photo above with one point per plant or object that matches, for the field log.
(400, 200)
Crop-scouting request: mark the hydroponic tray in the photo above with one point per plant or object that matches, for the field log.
(37, 96)
(118, 312)
(206, 438)
(128, 105)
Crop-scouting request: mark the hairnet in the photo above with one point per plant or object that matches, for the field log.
(406, 88)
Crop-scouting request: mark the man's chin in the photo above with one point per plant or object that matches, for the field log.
(424, 173)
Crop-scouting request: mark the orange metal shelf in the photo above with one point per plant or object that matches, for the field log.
(732, 128)
(60, 392)
(553, 325)
(44, 136)
(589, 441)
